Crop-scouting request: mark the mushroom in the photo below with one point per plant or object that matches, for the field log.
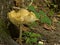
(23, 16)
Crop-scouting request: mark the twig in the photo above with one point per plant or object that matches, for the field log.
(16, 7)
(29, 4)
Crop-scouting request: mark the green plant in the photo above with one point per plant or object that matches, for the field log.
(40, 44)
(31, 37)
(51, 13)
(44, 18)
(33, 9)
(41, 15)
(32, 25)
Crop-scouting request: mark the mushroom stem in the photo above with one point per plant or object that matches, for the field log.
(20, 35)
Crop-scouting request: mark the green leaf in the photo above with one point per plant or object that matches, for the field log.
(51, 12)
(28, 40)
(44, 18)
(35, 35)
(34, 40)
(42, 13)
(33, 24)
(33, 9)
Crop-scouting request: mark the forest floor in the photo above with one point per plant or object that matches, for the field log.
(50, 34)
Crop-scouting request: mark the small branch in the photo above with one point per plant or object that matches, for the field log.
(16, 7)
(29, 4)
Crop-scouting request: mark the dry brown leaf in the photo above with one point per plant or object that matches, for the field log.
(55, 19)
(18, 2)
(58, 15)
(53, 27)
(47, 27)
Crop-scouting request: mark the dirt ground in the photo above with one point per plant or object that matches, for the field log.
(50, 37)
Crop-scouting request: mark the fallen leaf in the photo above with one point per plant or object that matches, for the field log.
(47, 27)
(54, 19)
(53, 27)
(58, 15)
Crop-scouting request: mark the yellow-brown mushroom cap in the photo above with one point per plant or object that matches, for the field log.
(21, 17)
